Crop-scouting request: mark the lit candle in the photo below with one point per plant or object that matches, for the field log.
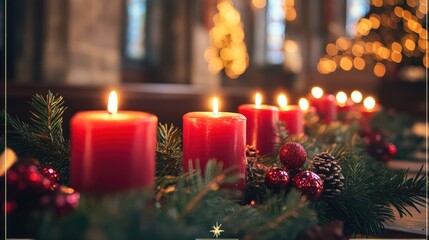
(368, 110)
(356, 96)
(305, 106)
(215, 135)
(370, 107)
(261, 125)
(344, 104)
(112, 150)
(324, 104)
(291, 115)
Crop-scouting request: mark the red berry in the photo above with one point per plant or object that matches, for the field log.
(292, 155)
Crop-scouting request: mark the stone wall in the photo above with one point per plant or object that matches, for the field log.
(94, 41)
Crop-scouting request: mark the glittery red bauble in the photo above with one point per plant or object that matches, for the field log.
(277, 179)
(52, 175)
(292, 155)
(309, 183)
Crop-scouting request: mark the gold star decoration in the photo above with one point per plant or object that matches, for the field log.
(216, 230)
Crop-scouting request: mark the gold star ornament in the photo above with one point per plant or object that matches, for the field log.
(216, 230)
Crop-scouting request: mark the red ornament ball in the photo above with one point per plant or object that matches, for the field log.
(52, 175)
(292, 155)
(277, 179)
(309, 183)
(391, 149)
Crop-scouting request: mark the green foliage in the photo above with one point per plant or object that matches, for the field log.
(186, 205)
(187, 211)
(168, 151)
(371, 189)
(42, 138)
(397, 129)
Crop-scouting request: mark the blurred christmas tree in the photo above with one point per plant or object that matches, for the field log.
(392, 32)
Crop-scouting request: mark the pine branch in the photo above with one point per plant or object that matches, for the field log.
(42, 139)
(168, 151)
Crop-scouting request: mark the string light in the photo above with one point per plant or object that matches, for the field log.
(395, 31)
(227, 50)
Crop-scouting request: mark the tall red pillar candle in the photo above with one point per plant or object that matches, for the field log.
(112, 151)
(291, 115)
(215, 135)
(261, 125)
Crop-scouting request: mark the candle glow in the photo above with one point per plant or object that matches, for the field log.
(341, 98)
(215, 105)
(258, 99)
(356, 96)
(317, 92)
(369, 103)
(303, 104)
(282, 100)
(112, 106)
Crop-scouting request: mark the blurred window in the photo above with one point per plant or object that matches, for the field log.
(135, 37)
(356, 9)
(275, 32)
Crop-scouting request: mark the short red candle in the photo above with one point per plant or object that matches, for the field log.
(346, 107)
(220, 136)
(111, 152)
(293, 118)
(326, 108)
(291, 115)
(344, 104)
(366, 114)
(261, 126)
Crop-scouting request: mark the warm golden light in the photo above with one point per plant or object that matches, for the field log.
(356, 96)
(303, 104)
(282, 100)
(215, 103)
(379, 70)
(112, 106)
(341, 98)
(258, 99)
(369, 103)
(317, 92)
(259, 3)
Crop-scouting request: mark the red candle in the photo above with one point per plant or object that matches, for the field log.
(261, 125)
(367, 111)
(291, 116)
(112, 151)
(215, 135)
(305, 107)
(325, 105)
(344, 105)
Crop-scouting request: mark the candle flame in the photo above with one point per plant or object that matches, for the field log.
(258, 99)
(215, 105)
(356, 96)
(303, 104)
(341, 98)
(369, 103)
(112, 106)
(317, 92)
(282, 100)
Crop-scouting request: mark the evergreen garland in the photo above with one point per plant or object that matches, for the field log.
(186, 205)
(42, 138)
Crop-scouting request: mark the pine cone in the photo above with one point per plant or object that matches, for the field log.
(329, 170)
(251, 151)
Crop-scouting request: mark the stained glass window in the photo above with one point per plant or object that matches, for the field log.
(135, 42)
(275, 32)
(356, 9)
